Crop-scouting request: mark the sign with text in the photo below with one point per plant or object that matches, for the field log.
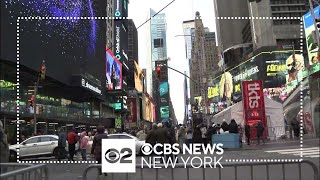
(253, 103)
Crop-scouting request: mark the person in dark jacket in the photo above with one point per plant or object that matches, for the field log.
(197, 136)
(72, 139)
(247, 132)
(97, 144)
(162, 136)
(224, 126)
(260, 130)
(152, 135)
(211, 130)
(233, 127)
(171, 136)
(62, 144)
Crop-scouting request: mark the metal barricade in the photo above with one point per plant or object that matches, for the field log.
(235, 165)
(17, 171)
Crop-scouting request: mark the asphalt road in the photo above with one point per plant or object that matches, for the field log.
(282, 151)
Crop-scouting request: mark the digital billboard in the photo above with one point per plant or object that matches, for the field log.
(68, 46)
(163, 90)
(113, 72)
(310, 34)
(138, 77)
(120, 8)
(148, 109)
(132, 107)
(276, 68)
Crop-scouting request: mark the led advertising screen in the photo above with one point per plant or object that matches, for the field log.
(310, 34)
(68, 46)
(132, 107)
(120, 8)
(113, 72)
(147, 107)
(275, 68)
(138, 78)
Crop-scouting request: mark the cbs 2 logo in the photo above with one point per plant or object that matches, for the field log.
(123, 155)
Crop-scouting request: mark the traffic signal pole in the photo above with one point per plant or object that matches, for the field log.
(35, 106)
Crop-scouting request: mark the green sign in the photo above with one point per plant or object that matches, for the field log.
(117, 106)
(7, 85)
(118, 122)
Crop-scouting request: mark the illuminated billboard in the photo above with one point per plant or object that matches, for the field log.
(275, 68)
(121, 41)
(132, 107)
(138, 78)
(310, 35)
(148, 109)
(113, 72)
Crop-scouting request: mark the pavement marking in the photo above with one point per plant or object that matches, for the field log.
(312, 152)
(288, 150)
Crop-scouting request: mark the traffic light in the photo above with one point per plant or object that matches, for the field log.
(31, 101)
(43, 71)
(158, 72)
(318, 23)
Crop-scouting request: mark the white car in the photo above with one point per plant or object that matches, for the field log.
(43, 145)
(139, 142)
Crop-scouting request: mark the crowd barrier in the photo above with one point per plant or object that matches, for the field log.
(17, 171)
(270, 168)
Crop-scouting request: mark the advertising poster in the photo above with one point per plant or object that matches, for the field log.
(274, 68)
(164, 100)
(132, 107)
(113, 72)
(147, 107)
(138, 78)
(310, 35)
(253, 104)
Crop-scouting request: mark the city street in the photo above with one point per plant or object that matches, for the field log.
(74, 171)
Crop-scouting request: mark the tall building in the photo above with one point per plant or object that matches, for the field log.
(156, 45)
(132, 41)
(132, 52)
(110, 25)
(229, 31)
(204, 63)
(276, 32)
(188, 31)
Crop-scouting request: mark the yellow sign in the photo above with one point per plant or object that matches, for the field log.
(273, 69)
(213, 92)
(138, 78)
(237, 88)
(7, 84)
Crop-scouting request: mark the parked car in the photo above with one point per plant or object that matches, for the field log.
(139, 142)
(36, 146)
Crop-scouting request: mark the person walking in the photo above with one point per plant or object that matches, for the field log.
(211, 130)
(62, 143)
(72, 139)
(233, 127)
(181, 136)
(97, 145)
(162, 137)
(203, 133)
(142, 134)
(247, 132)
(171, 138)
(189, 136)
(84, 145)
(197, 138)
(152, 135)
(260, 130)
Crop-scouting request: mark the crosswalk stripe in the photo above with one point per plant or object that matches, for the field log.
(292, 152)
(311, 153)
(314, 156)
(288, 150)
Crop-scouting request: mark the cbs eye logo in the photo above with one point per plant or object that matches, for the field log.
(113, 155)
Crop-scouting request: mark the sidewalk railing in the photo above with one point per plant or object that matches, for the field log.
(266, 169)
(16, 171)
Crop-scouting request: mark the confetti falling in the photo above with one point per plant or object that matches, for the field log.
(71, 34)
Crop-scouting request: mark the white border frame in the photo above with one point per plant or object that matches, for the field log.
(99, 18)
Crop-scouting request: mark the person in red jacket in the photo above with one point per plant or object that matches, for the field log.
(72, 139)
